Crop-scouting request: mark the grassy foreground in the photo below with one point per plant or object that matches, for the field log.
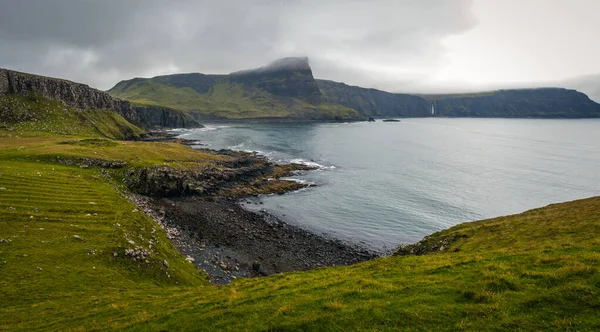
(64, 231)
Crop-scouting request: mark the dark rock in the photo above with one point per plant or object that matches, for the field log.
(245, 238)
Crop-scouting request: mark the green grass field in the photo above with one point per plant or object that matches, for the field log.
(65, 231)
(36, 114)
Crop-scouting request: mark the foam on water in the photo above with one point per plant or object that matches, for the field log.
(310, 163)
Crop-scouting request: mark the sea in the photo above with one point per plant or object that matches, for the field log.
(380, 184)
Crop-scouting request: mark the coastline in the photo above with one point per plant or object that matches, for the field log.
(225, 240)
(228, 242)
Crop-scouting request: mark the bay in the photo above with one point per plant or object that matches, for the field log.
(381, 184)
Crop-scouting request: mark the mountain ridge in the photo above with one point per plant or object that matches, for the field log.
(286, 89)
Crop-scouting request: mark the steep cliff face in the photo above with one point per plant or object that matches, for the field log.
(72, 94)
(536, 103)
(83, 97)
(372, 102)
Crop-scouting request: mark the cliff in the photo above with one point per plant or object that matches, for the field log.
(83, 97)
(372, 102)
(282, 90)
(518, 103)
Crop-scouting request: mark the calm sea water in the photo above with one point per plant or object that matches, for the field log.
(381, 184)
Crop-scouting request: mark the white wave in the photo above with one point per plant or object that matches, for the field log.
(300, 181)
(211, 128)
(260, 153)
(179, 130)
(235, 147)
(311, 164)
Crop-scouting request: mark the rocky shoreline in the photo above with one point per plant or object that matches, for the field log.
(211, 227)
(228, 242)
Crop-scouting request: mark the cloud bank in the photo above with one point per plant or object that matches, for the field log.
(394, 45)
(102, 42)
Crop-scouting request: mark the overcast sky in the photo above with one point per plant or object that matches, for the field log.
(395, 45)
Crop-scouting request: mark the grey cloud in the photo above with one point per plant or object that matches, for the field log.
(102, 42)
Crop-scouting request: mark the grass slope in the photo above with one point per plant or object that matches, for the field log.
(33, 113)
(228, 100)
(61, 225)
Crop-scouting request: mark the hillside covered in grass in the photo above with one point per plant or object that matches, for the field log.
(65, 231)
(285, 89)
(77, 254)
(39, 114)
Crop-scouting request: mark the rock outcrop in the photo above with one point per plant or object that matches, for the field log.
(83, 97)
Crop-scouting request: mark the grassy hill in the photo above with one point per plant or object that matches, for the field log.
(270, 92)
(77, 254)
(34, 113)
